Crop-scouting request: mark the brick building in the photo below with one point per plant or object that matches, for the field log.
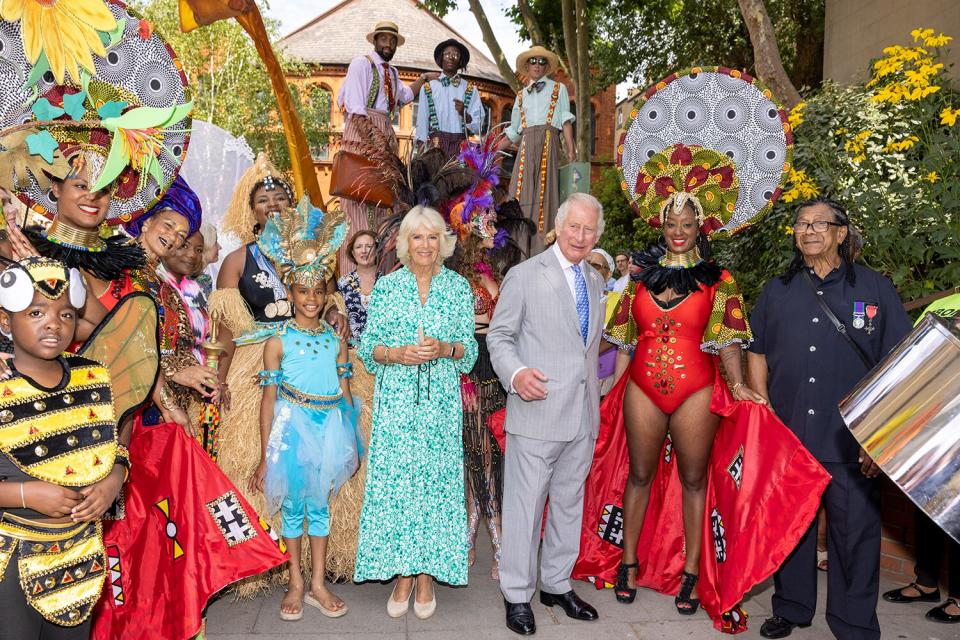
(330, 41)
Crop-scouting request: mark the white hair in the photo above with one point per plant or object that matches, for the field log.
(584, 199)
(421, 216)
(209, 233)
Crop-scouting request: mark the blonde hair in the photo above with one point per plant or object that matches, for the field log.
(421, 216)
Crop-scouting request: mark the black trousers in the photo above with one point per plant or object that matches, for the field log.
(20, 621)
(930, 539)
(853, 546)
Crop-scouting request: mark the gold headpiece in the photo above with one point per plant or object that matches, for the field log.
(302, 242)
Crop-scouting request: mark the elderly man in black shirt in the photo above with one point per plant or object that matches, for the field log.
(802, 361)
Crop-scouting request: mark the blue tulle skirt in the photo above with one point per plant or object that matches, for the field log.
(311, 452)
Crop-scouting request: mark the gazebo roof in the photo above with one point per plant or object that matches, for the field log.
(340, 34)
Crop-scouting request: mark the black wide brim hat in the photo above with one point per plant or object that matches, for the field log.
(464, 52)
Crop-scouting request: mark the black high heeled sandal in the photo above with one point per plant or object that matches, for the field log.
(687, 582)
(624, 593)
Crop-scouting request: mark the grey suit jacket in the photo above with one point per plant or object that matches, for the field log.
(536, 325)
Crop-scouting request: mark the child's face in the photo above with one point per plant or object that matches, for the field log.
(308, 301)
(43, 330)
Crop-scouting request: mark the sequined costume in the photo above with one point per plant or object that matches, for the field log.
(482, 457)
(314, 445)
(676, 345)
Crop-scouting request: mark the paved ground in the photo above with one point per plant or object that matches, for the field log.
(476, 613)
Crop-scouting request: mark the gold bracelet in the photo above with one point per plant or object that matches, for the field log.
(734, 388)
(23, 501)
(386, 356)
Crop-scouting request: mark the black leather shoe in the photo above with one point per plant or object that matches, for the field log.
(571, 603)
(777, 627)
(520, 618)
(897, 595)
(939, 614)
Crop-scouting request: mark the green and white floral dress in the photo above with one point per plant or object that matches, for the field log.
(413, 519)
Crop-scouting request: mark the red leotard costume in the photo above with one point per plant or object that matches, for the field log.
(763, 487)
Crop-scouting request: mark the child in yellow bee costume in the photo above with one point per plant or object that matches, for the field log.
(62, 464)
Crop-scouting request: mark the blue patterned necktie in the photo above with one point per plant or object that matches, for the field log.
(583, 303)
(537, 87)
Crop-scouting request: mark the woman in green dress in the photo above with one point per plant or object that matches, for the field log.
(418, 340)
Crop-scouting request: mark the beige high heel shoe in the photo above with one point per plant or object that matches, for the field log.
(397, 609)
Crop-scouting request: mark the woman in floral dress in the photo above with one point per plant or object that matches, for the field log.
(418, 340)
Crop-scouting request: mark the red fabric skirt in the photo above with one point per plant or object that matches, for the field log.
(187, 534)
(763, 491)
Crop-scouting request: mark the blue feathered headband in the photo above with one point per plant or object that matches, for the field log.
(302, 242)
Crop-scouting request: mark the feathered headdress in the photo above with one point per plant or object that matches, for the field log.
(472, 211)
(302, 242)
(239, 218)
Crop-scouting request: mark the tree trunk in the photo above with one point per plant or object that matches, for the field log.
(530, 22)
(584, 124)
(766, 54)
(490, 39)
(568, 15)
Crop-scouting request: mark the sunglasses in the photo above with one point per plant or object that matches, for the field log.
(540, 61)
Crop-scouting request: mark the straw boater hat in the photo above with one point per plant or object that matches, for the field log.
(553, 62)
(385, 26)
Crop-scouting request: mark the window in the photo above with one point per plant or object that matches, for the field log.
(320, 152)
(506, 113)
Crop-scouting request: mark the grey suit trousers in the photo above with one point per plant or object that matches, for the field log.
(533, 471)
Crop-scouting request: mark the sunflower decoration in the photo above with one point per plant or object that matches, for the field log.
(681, 175)
(63, 33)
(302, 242)
(92, 87)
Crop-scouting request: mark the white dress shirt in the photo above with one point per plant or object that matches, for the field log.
(571, 279)
(447, 117)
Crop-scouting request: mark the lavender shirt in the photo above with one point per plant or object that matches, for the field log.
(356, 87)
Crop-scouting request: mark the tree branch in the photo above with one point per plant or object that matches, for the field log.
(530, 22)
(490, 39)
(766, 53)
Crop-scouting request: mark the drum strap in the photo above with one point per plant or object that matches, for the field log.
(841, 328)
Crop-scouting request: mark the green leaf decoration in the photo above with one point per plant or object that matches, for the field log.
(117, 34)
(40, 68)
(73, 104)
(149, 117)
(155, 170)
(117, 159)
(43, 110)
(112, 109)
(42, 144)
(85, 80)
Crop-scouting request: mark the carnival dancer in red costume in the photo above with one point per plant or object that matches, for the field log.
(672, 434)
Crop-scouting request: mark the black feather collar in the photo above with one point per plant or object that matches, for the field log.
(657, 278)
(120, 254)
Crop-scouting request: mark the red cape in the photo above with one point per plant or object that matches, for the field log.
(763, 491)
(187, 534)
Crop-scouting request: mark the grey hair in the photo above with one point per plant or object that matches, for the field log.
(432, 220)
(583, 199)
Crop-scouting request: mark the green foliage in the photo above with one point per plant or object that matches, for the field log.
(623, 230)
(230, 87)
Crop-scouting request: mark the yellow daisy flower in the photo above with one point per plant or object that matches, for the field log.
(65, 30)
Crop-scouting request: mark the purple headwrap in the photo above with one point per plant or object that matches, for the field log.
(180, 198)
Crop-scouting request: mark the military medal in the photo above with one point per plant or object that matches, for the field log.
(858, 314)
(871, 314)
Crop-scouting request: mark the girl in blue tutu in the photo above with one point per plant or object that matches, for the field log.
(308, 419)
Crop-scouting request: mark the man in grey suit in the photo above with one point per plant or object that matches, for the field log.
(544, 342)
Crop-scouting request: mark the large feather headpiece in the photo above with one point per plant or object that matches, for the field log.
(302, 242)
(473, 210)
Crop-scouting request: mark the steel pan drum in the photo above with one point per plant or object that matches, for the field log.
(906, 415)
